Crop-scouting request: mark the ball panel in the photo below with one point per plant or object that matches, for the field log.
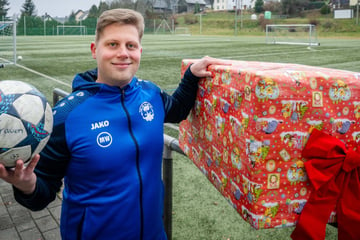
(12, 131)
(14, 87)
(30, 108)
(41, 145)
(48, 116)
(9, 157)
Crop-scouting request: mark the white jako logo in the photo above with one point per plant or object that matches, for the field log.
(104, 139)
(147, 112)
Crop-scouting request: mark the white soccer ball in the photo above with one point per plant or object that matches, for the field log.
(26, 122)
(19, 58)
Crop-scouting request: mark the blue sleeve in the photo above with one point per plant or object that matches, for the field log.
(178, 105)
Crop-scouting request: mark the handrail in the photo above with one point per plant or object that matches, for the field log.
(170, 144)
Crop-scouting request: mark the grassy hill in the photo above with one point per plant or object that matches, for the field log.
(223, 23)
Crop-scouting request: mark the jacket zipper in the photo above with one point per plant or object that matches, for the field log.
(137, 163)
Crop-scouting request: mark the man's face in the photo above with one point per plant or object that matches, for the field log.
(118, 54)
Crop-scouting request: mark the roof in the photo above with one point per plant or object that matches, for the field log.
(201, 2)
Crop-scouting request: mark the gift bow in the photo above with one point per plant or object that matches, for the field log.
(333, 171)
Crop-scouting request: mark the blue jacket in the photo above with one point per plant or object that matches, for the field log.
(107, 146)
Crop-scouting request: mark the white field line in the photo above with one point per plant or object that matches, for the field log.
(43, 75)
(281, 53)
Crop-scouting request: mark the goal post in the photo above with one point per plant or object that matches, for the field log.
(184, 31)
(70, 30)
(7, 42)
(295, 34)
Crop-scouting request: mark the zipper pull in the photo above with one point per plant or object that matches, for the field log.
(122, 94)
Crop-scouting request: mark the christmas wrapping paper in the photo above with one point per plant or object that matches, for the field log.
(251, 121)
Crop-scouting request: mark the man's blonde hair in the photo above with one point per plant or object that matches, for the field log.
(122, 16)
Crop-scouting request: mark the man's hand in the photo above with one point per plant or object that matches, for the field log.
(199, 68)
(22, 177)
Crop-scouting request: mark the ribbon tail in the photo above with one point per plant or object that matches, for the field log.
(315, 215)
(348, 209)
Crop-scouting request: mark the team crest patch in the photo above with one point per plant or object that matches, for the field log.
(147, 111)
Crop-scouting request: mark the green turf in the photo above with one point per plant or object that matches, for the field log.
(199, 211)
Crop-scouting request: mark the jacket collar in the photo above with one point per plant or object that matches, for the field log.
(87, 81)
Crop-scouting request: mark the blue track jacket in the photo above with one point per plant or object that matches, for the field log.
(107, 146)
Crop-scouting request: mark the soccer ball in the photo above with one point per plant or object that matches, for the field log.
(26, 122)
(19, 58)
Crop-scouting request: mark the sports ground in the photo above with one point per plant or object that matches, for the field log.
(199, 211)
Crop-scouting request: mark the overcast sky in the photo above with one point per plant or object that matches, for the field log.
(55, 8)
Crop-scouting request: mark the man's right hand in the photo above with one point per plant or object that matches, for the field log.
(22, 177)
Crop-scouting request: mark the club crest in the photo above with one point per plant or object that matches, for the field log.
(147, 111)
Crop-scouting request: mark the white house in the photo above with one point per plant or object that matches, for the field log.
(233, 4)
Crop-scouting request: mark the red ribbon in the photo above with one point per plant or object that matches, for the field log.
(333, 171)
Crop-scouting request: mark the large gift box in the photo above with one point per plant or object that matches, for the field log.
(249, 125)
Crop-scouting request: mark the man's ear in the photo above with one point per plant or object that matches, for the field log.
(140, 50)
(93, 50)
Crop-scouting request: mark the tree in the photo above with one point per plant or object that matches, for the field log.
(71, 19)
(292, 7)
(103, 6)
(3, 8)
(93, 12)
(212, 4)
(259, 6)
(28, 9)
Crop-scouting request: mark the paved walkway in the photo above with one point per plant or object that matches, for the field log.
(19, 223)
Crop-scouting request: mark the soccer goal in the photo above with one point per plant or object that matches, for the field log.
(297, 34)
(70, 30)
(7, 42)
(184, 31)
(163, 27)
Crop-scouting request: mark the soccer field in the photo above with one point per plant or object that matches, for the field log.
(58, 59)
(199, 211)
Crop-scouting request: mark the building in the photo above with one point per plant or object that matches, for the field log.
(233, 4)
(81, 15)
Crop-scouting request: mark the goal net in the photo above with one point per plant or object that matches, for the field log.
(70, 30)
(297, 34)
(184, 31)
(7, 42)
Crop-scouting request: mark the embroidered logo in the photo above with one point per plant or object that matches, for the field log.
(147, 111)
(104, 139)
(100, 124)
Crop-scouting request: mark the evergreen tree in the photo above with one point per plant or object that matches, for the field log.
(72, 19)
(93, 12)
(103, 6)
(259, 6)
(3, 8)
(28, 9)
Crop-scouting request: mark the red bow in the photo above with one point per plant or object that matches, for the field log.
(334, 173)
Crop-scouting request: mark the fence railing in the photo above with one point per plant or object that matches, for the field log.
(170, 144)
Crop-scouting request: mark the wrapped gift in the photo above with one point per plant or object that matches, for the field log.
(249, 125)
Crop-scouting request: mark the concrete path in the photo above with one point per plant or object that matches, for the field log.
(19, 223)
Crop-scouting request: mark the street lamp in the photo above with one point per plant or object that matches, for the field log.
(236, 4)
(241, 20)
(357, 12)
(45, 24)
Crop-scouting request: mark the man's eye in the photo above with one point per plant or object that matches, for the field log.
(112, 44)
(131, 45)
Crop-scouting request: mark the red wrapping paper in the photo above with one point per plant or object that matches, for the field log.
(250, 123)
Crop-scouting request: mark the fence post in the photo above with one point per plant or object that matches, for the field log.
(168, 182)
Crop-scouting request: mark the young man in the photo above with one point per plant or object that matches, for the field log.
(107, 141)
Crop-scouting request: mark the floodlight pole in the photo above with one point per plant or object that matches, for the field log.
(45, 24)
(235, 30)
(357, 13)
(241, 15)
(200, 23)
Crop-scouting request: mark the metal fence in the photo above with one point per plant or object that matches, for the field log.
(170, 144)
